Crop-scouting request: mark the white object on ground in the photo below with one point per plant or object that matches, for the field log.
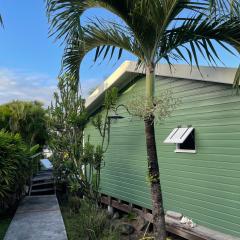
(110, 210)
(187, 221)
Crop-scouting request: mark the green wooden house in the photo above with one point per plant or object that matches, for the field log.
(198, 147)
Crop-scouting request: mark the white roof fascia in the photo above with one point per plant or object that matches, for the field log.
(109, 82)
(178, 135)
(128, 70)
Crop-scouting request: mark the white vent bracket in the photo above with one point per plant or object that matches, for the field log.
(178, 135)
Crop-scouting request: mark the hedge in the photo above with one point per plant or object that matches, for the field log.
(15, 168)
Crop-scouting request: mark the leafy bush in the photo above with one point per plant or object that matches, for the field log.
(90, 223)
(74, 204)
(4, 223)
(26, 118)
(15, 167)
(75, 161)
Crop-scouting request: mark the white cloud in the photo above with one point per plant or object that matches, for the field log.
(23, 85)
(17, 84)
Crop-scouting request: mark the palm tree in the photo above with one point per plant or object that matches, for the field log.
(151, 30)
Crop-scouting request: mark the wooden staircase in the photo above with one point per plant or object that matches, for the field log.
(42, 184)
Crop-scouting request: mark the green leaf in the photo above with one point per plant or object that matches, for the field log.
(34, 149)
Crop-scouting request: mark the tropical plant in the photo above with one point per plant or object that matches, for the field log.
(169, 30)
(90, 222)
(75, 162)
(102, 122)
(67, 117)
(15, 167)
(5, 114)
(26, 118)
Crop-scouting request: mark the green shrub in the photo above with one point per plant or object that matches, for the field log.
(4, 223)
(26, 118)
(15, 167)
(74, 204)
(90, 223)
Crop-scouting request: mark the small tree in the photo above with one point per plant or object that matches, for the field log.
(76, 161)
(102, 123)
(67, 117)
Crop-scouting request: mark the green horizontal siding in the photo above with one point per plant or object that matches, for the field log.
(204, 186)
(125, 173)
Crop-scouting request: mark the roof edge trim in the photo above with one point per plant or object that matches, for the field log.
(208, 74)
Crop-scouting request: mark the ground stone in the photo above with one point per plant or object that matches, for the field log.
(140, 223)
(126, 229)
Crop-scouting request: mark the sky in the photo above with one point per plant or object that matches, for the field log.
(30, 61)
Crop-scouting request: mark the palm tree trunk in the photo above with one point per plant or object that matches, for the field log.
(153, 168)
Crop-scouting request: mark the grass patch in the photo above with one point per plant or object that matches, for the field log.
(90, 223)
(4, 223)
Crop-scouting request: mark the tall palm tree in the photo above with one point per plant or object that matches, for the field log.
(151, 30)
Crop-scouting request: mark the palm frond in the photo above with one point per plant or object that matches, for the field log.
(106, 37)
(198, 35)
(171, 15)
(64, 14)
(73, 54)
(224, 6)
(169, 29)
(164, 14)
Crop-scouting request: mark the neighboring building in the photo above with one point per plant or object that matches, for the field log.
(202, 183)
